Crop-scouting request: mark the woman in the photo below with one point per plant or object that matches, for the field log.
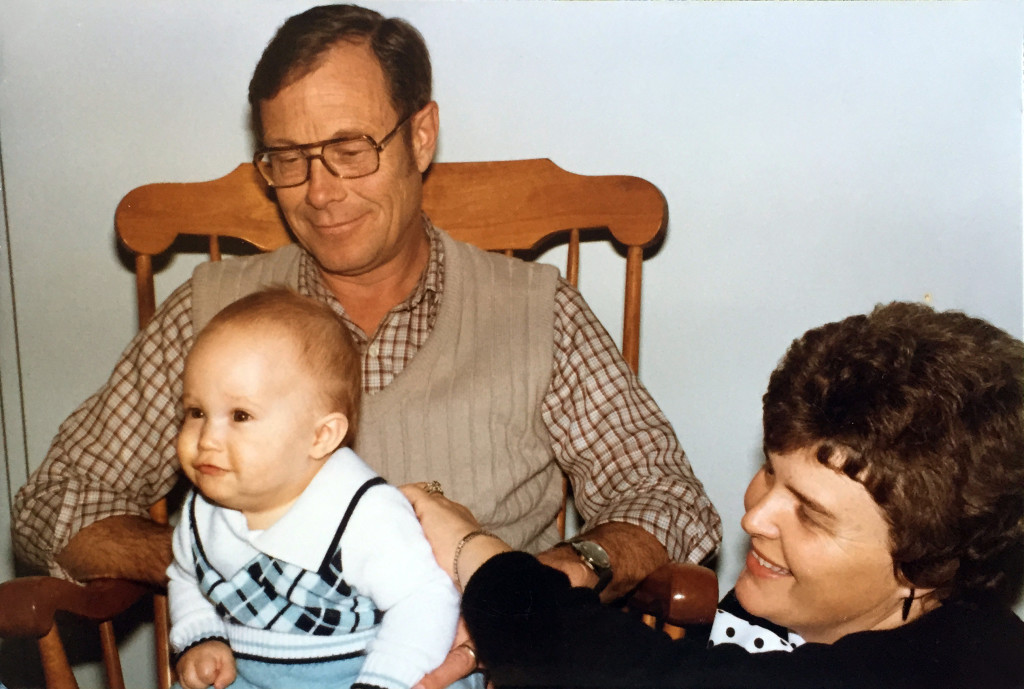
(882, 525)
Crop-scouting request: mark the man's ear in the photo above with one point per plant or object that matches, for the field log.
(424, 127)
(330, 431)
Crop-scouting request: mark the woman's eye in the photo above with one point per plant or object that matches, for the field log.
(814, 520)
(240, 416)
(804, 516)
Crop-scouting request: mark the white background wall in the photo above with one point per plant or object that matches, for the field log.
(817, 158)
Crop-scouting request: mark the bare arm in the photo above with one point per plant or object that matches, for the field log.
(123, 546)
(113, 457)
(633, 552)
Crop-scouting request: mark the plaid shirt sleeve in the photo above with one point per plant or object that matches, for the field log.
(616, 445)
(116, 453)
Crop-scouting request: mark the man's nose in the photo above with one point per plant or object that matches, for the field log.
(324, 186)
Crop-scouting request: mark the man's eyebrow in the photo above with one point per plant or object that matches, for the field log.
(289, 143)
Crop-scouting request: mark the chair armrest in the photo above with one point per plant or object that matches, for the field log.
(680, 594)
(30, 603)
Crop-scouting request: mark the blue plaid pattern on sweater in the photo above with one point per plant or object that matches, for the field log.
(253, 596)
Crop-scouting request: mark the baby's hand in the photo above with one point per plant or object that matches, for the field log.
(208, 663)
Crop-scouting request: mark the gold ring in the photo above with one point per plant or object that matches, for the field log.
(472, 651)
(433, 487)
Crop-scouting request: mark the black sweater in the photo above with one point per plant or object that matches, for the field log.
(533, 630)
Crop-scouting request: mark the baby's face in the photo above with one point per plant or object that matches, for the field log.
(251, 417)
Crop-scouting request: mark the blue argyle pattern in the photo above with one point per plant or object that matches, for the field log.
(275, 595)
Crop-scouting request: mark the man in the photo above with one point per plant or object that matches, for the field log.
(492, 405)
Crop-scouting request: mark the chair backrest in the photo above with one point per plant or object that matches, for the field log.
(510, 206)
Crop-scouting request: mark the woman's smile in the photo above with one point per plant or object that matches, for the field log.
(760, 566)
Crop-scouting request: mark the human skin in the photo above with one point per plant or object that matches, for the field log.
(819, 560)
(366, 233)
(367, 237)
(256, 428)
(446, 522)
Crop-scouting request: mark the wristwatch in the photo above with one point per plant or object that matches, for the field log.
(595, 557)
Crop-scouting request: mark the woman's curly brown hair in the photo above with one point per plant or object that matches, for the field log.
(926, 410)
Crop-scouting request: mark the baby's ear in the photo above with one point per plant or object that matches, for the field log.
(330, 431)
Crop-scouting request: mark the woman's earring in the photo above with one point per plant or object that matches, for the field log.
(907, 602)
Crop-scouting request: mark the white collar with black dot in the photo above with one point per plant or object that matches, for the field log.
(730, 629)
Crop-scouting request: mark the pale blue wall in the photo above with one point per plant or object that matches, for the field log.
(817, 158)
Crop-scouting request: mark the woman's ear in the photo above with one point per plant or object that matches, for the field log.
(913, 595)
(330, 431)
(906, 587)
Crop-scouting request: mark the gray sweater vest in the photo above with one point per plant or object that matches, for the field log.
(466, 411)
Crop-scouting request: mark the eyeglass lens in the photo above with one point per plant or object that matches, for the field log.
(354, 158)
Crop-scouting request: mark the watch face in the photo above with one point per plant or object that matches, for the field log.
(594, 553)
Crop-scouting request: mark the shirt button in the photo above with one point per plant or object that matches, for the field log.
(373, 349)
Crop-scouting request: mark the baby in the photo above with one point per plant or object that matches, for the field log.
(295, 565)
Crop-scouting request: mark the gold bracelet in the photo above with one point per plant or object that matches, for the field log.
(458, 551)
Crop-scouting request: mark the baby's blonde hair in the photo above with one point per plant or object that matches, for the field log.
(323, 343)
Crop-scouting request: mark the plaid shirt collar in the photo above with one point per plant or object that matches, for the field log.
(427, 293)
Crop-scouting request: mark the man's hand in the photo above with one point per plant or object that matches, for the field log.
(121, 547)
(566, 560)
(461, 661)
(634, 553)
(208, 663)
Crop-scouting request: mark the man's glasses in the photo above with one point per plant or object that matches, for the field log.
(346, 157)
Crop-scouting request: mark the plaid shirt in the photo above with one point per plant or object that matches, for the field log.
(116, 453)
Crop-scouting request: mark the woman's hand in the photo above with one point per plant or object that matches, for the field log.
(461, 661)
(446, 525)
(449, 527)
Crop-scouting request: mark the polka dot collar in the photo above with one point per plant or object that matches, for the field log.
(734, 625)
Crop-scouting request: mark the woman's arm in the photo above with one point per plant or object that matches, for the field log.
(460, 546)
(531, 628)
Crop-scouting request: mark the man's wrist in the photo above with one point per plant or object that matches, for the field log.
(565, 560)
(122, 546)
(594, 557)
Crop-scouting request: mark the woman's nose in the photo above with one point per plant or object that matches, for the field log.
(761, 509)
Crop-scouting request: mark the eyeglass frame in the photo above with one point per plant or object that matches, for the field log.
(301, 148)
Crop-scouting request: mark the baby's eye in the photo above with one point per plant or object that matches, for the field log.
(194, 413)
(240, 416)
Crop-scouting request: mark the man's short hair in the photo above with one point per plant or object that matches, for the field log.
(322, 343)
(300, 44)
(926, 410)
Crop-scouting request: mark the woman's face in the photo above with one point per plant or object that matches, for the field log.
(819, 561)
